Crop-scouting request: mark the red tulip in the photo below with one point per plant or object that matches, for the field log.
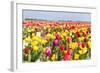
(72, 27)
(62, 47)
(83, 45)
(66, 57)
(78, 34)
(58, 36)
(69, 51)
(26, 50)
(69, 39)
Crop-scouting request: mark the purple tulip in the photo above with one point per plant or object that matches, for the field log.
(56, 42)
(48, 51)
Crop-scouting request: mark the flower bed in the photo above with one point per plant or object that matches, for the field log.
(56, 41)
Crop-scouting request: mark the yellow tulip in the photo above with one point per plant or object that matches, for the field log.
(62, 37)
(43, 41)
(80, 52)
(89, 44)
(76, 56)
(28, 39)
(83, 50)
(81, 47)
(78, 30)
(81, 39)
(35, 48)
(64, 34)
(34, 43)
(84, 29)
(54, 57)
(35, 38)
(73, 45)
(50, 36)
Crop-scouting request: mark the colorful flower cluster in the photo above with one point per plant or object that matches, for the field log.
(56, 41)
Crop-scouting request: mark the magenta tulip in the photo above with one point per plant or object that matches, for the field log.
(56, 42)
(48, 51)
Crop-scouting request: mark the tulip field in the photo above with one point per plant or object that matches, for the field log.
(45, 40)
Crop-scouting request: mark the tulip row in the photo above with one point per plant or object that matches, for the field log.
(47, 43)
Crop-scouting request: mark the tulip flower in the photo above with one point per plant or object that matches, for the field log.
(66, 57)
(48, 51)
(78, 34)
(73, 45)
(56, 42)
(80, 52)
(83, 45)
(28, 39)
(54, 57)
(35, 48)
(50, 36)
(62, 47)
(64, 34)
(26, 50)
(34, 43)
(58, 36)
(43, 41)
(89, 44)
(83, 50)
(69, 51)
(79, 44)
(69, 39)
(76, 56)
(81, 39)
(36, 38)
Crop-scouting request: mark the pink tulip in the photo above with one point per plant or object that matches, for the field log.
(66, 57)
(56, 42)
(48, 51)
